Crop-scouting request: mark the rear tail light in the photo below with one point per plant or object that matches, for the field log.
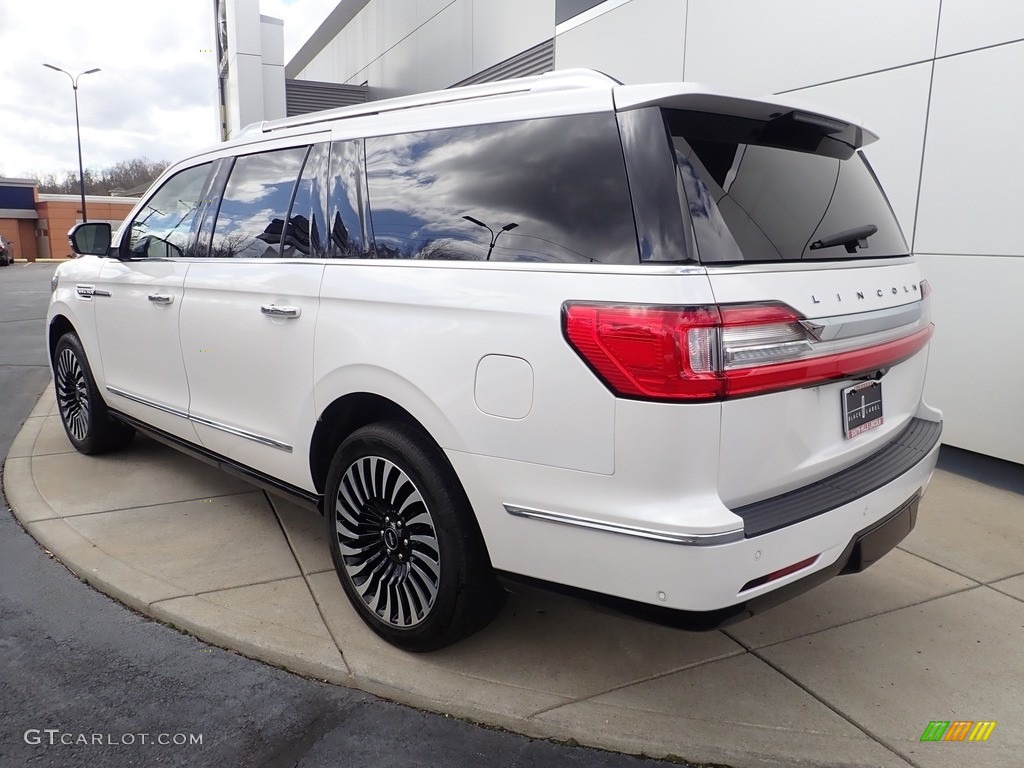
(691, 354)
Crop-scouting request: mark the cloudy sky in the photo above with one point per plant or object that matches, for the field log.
(155, 96)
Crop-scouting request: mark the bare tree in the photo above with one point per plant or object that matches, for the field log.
(121, 177)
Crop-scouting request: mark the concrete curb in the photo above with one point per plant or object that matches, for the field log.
(548, 667)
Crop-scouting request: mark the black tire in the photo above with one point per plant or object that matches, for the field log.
(82, 411)
(404, 540)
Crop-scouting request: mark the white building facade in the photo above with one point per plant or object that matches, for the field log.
(939, 80)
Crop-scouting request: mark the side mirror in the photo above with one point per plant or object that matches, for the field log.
(91, 238)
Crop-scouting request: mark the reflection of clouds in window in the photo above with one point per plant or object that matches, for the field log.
(163, 227)
(560, 180)
(306, 232)
(255, 201)
(346, 196)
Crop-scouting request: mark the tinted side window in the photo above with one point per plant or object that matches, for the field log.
(347, 200)
(162, 229)
(250, 223)
(306, 233)
(551, 190)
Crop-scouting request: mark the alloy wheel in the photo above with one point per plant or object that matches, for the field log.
(72, 394)
(388, 541)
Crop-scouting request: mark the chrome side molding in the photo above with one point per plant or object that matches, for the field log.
(254, 436)
(670, 537)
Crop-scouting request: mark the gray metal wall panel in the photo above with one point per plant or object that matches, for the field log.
(533, 61)
(302, 96)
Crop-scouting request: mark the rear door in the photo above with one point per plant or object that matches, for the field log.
(250, 311)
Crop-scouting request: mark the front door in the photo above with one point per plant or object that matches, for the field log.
(138, 301)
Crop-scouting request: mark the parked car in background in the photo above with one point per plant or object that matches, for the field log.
(654, 345)
(6, 252)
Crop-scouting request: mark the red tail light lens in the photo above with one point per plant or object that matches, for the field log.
(648, 352)
(707, 353)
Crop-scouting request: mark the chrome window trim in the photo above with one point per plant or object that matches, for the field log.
(255, 437)
(755, 267)
(669, 537)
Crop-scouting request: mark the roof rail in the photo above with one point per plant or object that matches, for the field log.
(562, 80)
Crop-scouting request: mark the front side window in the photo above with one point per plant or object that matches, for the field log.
(251, 220)
(163, 228)
(779, 190)
(547, 190)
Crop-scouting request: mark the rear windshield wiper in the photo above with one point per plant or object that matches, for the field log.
(851, 238)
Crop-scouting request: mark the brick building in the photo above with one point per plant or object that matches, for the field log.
(37, 224)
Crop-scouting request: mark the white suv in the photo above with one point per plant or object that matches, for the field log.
(655, 345)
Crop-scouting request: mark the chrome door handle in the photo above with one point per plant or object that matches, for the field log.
(159, 298)
(272, 310)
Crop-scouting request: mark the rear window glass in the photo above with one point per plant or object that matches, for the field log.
(778, 191)
(547, 190)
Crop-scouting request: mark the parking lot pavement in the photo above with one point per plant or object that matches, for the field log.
(850, 674)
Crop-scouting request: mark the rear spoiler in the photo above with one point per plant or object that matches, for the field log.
(701, 98)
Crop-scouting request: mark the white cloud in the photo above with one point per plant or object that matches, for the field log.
(156, 93)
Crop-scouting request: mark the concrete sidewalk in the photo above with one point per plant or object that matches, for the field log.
(847, 675)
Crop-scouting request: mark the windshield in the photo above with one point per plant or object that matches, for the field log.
(776, 191)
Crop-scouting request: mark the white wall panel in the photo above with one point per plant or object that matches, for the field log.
(363, 44)
(639, 42)
(502, 29)
(434, 56)
(425, 10)
(333, 62)
(395, 21)
(272, 41)
(893, 104)
(974, 156)
(244, 89)
(768, 47)
(967, 24)
(976, 369)
(244, 27)
(272, 50)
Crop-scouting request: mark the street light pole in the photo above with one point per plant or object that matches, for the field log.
(78, 130)
(494, 237)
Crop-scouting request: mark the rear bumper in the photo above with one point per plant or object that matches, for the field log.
(901, 454)
(862, 513)
(866, 547)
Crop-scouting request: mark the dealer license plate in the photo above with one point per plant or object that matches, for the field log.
(862, 407)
